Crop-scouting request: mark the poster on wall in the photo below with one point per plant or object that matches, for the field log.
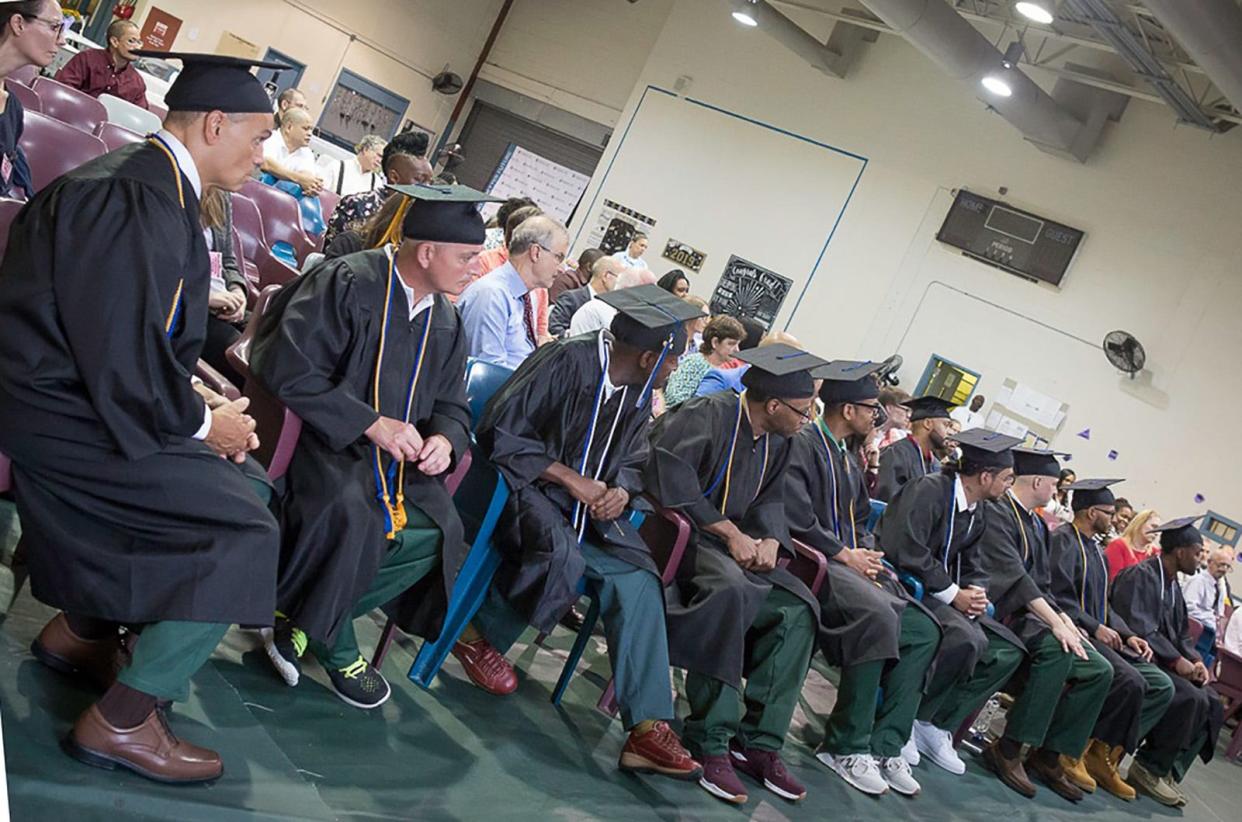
(749, 290)
(357, 107)
(522, 173)
(159, 30)
(615, 226)
(683, 255)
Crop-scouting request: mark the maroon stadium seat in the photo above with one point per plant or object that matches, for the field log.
(29, 100)
(249, 225)
(70, 105)
(52, 147)
(25, 75)
(8, 212)
(115, 136)
(282, 218)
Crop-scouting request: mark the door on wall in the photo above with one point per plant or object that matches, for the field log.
(278, 81)
(489, 131)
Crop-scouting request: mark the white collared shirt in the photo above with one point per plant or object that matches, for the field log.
(299, 159)
(186, 163)
(415, 308)
(963, 506)
(609, 388)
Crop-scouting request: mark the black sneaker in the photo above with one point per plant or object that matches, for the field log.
(284, 645)
(360, 685)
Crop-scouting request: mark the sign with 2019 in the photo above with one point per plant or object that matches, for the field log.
(684, 255)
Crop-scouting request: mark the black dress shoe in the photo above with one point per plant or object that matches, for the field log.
(573, 619)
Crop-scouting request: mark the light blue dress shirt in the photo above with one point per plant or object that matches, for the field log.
(721, 379)
(492, 315)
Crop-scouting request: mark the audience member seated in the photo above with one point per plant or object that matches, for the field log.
(287, 154)
(1122, 517)
(597, 314)
(359, 173)
(696, 327)
(632, 257)
(491, 260)
(109, 70)
(676, 283)
(606, 272)
(496, 225)
(575, 273)
(380, 228)
(1136, 543)
(227, 301)
(1060, 510)
(497, 310)
(288, 99)
(728, 377)
(402, 162)
(720, 342)
(24, 41)
(921, 452)
(1206, 595)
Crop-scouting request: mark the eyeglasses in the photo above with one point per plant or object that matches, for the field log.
(560, 258)
(57, 27)
(876, 408)
(803, 414)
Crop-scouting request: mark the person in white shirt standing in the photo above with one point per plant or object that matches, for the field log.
(1206, 595)
(287, 154)
(970, 416)
(632, 257)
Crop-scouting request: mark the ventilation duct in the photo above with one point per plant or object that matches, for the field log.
(833, 58)
(1211, 33)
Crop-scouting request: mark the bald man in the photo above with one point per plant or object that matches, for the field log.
(1207, 594)
(287, 154)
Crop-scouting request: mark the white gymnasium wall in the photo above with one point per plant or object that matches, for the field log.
(1159, 204)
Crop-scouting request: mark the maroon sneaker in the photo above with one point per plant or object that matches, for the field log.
(766, 768)
(720, 780)
(658, 751)
(486, 667)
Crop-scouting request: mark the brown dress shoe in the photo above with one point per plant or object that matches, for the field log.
(97, 660)
(1047, 766)
(150, 749)
(1009, 770)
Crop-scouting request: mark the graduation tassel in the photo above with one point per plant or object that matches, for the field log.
(642, 397)
(392, 234)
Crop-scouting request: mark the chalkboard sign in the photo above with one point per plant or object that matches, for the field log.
(749, 290)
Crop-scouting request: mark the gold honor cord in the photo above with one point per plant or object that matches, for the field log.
(1026, 548)
(172, 311)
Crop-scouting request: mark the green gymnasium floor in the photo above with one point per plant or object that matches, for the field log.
(453, 753)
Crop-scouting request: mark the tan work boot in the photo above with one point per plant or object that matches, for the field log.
(1154, 786)
(1102, 764)
(1076, 772)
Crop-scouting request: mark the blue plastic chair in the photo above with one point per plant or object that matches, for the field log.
(483, 379)
(877, 511)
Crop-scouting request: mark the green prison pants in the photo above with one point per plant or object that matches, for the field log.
(631, 606)
(778, 653)
(1060, 699)
(856, 725)
(948, 707)
(169, 653)
(412, 554)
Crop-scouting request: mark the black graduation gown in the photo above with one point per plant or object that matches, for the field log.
(900, 462)
(315, 350)
(714, 601)
(1016, 558)
(1152, 605)
(541, 415)
(1080, 582)
(912, 534)
(126, 516)
(860, 620)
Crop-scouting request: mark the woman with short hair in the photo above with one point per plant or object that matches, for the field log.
(720, 340)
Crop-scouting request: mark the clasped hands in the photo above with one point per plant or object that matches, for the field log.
(604, 504)
(402, 441)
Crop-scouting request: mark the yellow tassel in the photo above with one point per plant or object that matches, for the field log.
(392, 234)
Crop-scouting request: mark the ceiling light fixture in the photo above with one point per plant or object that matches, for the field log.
(997, 85)
(1038, 10)
(743, 15)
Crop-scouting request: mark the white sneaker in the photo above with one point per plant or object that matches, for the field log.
(896, 772)
(910, 752)
(859, 770)
(937, 745)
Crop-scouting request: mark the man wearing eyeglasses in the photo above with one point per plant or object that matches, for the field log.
(497, 309)
(110, 70)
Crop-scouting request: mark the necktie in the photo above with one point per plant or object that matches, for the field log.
(528, 319)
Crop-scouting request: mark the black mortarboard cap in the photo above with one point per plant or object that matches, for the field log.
(1037, 462)
(444, 214)
(848, 381)
(1089, 492)
(928, 408)
(215, 82)
(780, 371)
(1179, 532)
(648, 316)
(987, 449)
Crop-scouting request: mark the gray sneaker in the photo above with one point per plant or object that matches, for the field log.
(859, 770)
(1157, 787)
(896, 772)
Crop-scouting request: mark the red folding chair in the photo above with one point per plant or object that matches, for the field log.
(24, 93)
(115, 136)
(216, 381)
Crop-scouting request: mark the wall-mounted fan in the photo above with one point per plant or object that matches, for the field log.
(1125, 352)
(446, 82)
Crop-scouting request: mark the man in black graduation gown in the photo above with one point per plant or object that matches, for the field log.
(368, 351)
(931, 531)
(1140, 692)
(129, 513)
(568, 432)
(918, 454)
(1148, 597)
(1062, 685)
(869, 628)
(734, 614)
